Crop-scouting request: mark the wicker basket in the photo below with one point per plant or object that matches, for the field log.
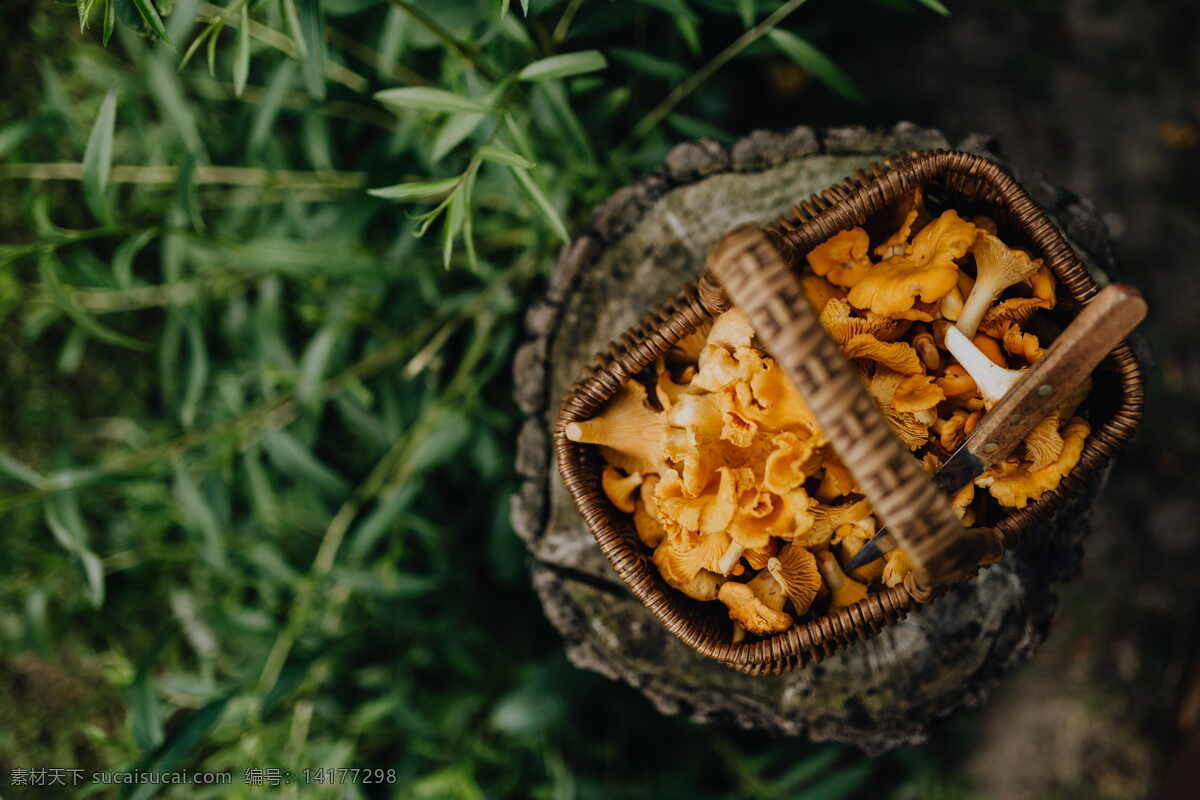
(756, 268)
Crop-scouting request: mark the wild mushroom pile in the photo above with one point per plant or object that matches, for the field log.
(732, 484)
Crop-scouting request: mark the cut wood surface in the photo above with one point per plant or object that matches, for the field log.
(642, 245)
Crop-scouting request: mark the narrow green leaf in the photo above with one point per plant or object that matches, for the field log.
(543, 203)
(747, 10)
(272, 102)
(503, 8)
(85, 12)
(13, 134)
(262, 494)
(468, 227)
(415, 190)
(241, 60)
(424, 98)
(525, 8)
(97, 157)
(451, 227)
(502, 155)
(48, 273)
(563, 66)
(313, 26)
(456, 128)
(816, 63)
(385, 584)
(150, 17)
(650, 65)
(197, 375)
(110, 19)
(295, 30)
(126, 252)
(806, 770)
(291, 457)
(314, 363)
(935, 6)
(188, 733)
(838, 786)
(197, 515)
(194, 47)
(12, 468)
(698, 128)
(145, 714)
(393, 39)
(218, 26)
(185, 193)
(61, 512)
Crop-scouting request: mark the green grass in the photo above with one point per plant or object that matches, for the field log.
(243, 400)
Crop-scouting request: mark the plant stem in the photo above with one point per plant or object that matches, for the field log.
(659, 112)
(468, 52)
(230, 176)
(564, 22)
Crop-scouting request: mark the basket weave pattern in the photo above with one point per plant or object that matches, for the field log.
(705, 629)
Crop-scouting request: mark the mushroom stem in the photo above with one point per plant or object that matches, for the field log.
(993, 380)
(729, 558)
(998, 268)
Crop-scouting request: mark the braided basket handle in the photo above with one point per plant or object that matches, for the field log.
(756, 277)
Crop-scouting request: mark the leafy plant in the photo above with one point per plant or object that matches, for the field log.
(248, 399)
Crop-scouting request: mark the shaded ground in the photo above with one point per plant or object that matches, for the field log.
(1103, 97)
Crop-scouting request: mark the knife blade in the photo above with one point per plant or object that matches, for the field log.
(1035, 393)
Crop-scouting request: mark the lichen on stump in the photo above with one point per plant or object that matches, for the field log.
(645, 242)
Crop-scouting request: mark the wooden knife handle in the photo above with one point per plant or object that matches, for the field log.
(1100, 326)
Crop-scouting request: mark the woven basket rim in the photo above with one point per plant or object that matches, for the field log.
(850, 203)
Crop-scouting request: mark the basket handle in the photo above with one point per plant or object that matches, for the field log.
(756, 278)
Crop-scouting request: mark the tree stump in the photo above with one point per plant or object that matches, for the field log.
(643, 244)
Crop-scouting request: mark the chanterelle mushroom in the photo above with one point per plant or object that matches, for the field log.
(846, 591)
(925, 270)
(633, 434)
(795, 570)
(997, 268)
(620, 488)
(750, 612)
(842, 258)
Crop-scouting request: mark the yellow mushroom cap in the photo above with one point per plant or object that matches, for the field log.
(907, 426)
(786, 467)
(827, 519)
(838, 318)
(917, 393)
(1014, 485)
(926, 270)
(820, 291)
(680, 558)
(842, 258)
(896, 356)
(836, 481)
(620, 488)
(898, 565)
(795, 569)
(751, 613)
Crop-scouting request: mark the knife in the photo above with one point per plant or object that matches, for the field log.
(1020, 399)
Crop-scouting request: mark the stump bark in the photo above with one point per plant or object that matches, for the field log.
(643, 244)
